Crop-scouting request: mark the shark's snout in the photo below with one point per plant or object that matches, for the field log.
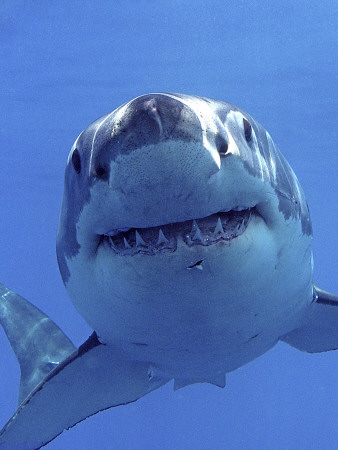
(152, 151)
(146, 123)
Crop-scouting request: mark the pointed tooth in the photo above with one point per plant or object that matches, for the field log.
(198, 235)
(194, 226)
(111, 243)
(218, 228)
(139, 240)
(126, 244)
(161, 238)
(240, 227)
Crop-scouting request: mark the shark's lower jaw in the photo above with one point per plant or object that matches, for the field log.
(222, 226)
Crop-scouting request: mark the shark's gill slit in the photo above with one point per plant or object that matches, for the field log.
(222, 226)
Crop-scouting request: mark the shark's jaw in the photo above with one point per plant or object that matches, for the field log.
(206, 231)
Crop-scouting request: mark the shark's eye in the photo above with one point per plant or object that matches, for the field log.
(76, 160)
(247, 130)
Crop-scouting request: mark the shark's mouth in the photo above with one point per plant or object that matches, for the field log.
(222, 226)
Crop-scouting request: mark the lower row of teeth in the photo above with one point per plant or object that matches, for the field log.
(136, 244)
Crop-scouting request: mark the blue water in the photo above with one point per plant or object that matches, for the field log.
(65, 63)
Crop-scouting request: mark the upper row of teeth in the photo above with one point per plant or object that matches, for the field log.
(195, 232)
(139, 241)
(236, 208)
(217, 233)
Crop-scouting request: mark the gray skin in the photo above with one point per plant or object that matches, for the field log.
(185, 243)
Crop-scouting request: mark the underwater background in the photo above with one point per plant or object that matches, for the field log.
(65, 63)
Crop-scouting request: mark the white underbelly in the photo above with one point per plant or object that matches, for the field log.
(193, 322)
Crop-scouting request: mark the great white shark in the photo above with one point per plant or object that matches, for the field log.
(184, 241)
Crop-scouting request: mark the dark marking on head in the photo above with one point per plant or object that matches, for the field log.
(146, 120)
(150, 119)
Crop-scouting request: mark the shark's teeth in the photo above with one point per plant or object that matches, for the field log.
(222, 226)
(126, 244)
(218, 228)
(111, 242)
(198, 235)
(139, 241)
(161, 238)
(240, 226)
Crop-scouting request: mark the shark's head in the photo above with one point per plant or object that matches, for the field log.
(173, 201)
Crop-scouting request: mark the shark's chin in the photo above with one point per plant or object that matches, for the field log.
(206, 231)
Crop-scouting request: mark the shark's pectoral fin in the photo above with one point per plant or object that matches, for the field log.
(38, 343)
(95, 377)
(319, 331)
(62, 385)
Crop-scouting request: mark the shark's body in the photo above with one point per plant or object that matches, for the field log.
(185, 242)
